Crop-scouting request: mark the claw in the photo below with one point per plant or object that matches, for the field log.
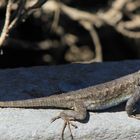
(63, 129)
(67, 122)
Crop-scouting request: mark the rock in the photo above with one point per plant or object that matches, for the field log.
(34, 124)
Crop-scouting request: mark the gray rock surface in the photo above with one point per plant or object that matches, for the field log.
(34, 124)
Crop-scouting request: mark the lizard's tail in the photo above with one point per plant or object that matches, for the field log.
(21, 103)
(45, 102)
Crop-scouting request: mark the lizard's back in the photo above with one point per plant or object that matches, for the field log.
(108, 94)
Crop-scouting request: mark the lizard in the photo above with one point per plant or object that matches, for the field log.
(93, 98)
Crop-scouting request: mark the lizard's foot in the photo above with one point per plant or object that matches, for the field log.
(67, 122)
(78, 114)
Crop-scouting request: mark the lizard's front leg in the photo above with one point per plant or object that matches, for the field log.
(132, 102)
(78, 113)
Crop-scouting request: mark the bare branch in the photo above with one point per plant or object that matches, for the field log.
(95, 39)
(19, 12)
(8, 25)
(5, 30)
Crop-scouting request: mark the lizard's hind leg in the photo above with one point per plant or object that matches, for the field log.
(78, 114)
(132, 102)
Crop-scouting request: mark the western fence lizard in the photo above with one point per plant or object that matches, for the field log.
(92, 98)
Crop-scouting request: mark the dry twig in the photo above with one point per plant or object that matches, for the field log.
(5, 30)
(20, 13)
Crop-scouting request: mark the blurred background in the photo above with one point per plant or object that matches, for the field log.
(68, 31)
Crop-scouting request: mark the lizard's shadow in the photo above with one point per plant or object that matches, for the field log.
(118, 108)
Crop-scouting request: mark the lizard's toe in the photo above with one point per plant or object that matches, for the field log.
(67, 122)
(55, 118)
